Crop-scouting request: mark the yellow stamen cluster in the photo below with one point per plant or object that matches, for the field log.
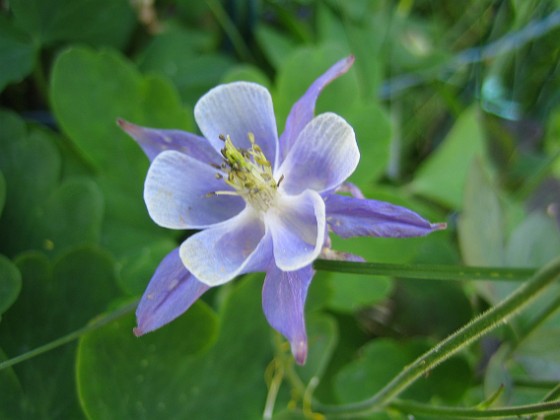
(249, 173)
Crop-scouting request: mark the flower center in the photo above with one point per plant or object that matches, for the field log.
(249, 173)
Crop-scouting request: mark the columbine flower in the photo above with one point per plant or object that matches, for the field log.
(261, 203)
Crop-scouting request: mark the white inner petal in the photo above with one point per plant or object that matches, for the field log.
(220, 253)
(324, 156)
(236, 109)
(297, 225)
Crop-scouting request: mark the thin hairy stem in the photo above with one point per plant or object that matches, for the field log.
(481, 325)
(96, 324)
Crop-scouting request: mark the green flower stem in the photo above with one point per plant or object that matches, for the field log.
(419, 409)
(486, 322)
(426, 271)
(94, 325)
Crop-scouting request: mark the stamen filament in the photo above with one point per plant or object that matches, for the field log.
(249, 173)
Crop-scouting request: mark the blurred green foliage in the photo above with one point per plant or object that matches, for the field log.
(456, 108)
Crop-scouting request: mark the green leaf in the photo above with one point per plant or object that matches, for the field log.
(83, 278)
(96, 22)
(382, 359)
(370, 66)
(354, 9)
(10, 283)
(330, 28)
(137, 242)
(552, 138)
(481, 223)
(176, 56)
(155, 376)
(366, 375)
(343, 96)
(538, 354)
(373, 133)
(40, 213)
(533, 360)
(248, 73)
(319, 293)
(367, 42)
(301, 69)
(30, 161)
(274, 44)
(2, 192)
(531, 244)
(12, 394)
(481, 231)
(31, 166)
(291, 414)
(144, 372)
(497, 374)
(71, 216)
(449, 308)
(143, 253)
(13, 126)
(55, 300)
(442, 177)
(17, 53)
(351, 292)
(109, 87)
(322, 337)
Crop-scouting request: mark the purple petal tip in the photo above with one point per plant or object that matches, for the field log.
(137, 331)
(130, 128)
(299, 350)
(439, 226)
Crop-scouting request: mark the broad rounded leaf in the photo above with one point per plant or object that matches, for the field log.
(453, 157)
(10, 283)
(98, 22)
(17, 54)
(172, 372)
(31, 165)
(2, 192)
(367, 374)
(350, 292)
(301, 68)
(147, 374)
(109, 87)
(56, 299)
(182, 56)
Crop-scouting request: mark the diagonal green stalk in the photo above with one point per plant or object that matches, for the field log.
(94, 325)
(481, 325)
(426, 271)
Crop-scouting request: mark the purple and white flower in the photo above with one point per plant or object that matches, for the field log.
(260, 203)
